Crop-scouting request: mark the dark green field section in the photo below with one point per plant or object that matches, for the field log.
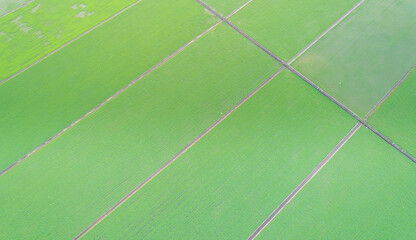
(40, 27)
(396, 117)
(365, 192)
(229, 182)
(43, 100)
(286, 27)
(225, 7)
(361, 59)
(81, 174)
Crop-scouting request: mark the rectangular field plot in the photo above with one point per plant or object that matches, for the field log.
(88, 169)
(396, 117)
(365, 55)
(42, 26)
(365, 192)
(286, 27)
(227, 183)
(46, 98)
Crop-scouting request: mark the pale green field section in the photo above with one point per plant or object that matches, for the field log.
(81, 174)
(7, 6)
(38, 103)
(226, 185)
(365, 192)
(40, 27)
(225, 7)
(396, 117)
(286, 27)
(359, 61)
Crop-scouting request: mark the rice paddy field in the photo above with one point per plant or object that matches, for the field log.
(207, 119)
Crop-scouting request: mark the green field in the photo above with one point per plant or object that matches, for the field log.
(105, 156)
(396, 117)
(159, 119)
(122, 52)
(38, 28)
(288, 26)
(363, 57)
(229, 182)
(225, 7)
(365, 192)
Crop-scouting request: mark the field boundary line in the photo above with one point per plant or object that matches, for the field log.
(109, 99)
(305, 181)
(396, 85)
(69, 42)
(326, 31)
(334, 100)
(16, 8)
(238, 9)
